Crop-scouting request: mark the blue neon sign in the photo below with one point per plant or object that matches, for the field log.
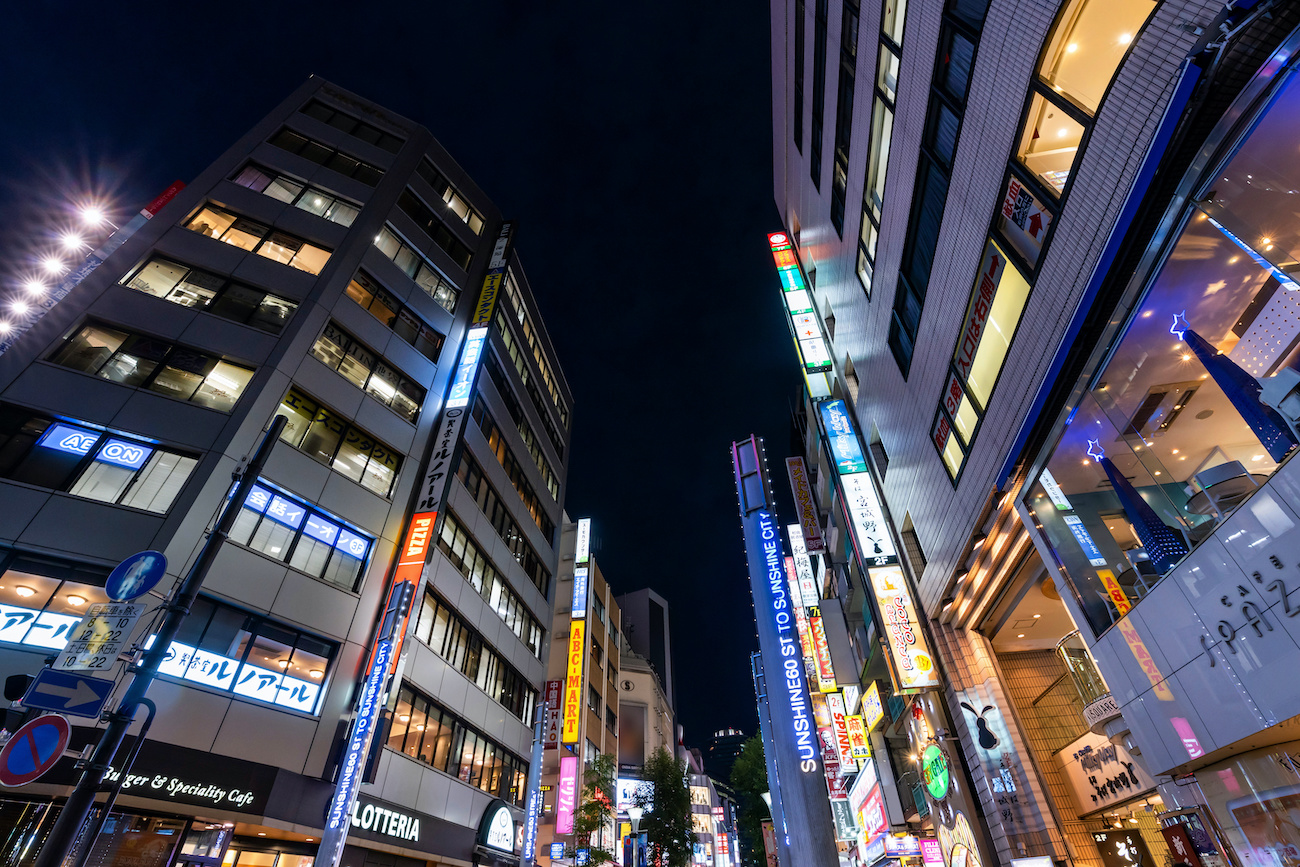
(580, 592)
(464, 378)
(66, 438)
(843, 438)
(124, 453)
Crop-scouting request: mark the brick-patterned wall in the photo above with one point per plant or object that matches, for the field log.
(1026, 676)
(968, 660)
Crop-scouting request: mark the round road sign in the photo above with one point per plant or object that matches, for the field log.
(34, 749)
(135, 576)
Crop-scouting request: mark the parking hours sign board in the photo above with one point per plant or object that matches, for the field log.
(100, 637)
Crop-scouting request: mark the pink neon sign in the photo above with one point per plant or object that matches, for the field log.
(566, 799)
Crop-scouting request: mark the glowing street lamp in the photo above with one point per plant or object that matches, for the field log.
(35, 287)
(52, 265)
(73, 242)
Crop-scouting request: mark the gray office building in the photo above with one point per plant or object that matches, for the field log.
(326, 268)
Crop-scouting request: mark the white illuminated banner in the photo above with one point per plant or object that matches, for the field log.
(808, 589)
(870, 532)
(909, 655)
(463, 380)
(582, 548)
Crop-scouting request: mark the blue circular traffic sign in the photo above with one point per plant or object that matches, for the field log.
(34, 749)
(136, 576)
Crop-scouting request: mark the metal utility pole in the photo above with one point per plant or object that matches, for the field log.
(63, 835)
(533, 798)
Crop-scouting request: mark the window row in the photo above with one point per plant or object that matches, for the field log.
(42, 602)
(472, 562)
(324, 155)
(463, 647)
(323, 434)
(514, 469)
(385, 307)
(799, 37)
(516, 411)
(223, 647)
(424, 731)
(89, 463)
(455, 201)
(530, 336)
(353, 127)
(844, 112)
(893, 16)
(362, 367)
(313, 200)
(419, 269)
(246, 234)
(433, 226)
(961, 25)
(220, 296)
(301, 535)
(157, 365)
(521, 367)
(489, 502)
(820, 27)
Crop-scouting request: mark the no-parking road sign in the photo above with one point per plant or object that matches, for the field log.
(33, 749)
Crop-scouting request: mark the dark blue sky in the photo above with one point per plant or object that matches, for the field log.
(633, 144)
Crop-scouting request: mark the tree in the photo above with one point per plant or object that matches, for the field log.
(596, 809)
(667, 826)
(749, 779)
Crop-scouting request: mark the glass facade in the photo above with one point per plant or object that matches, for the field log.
(1192, 407)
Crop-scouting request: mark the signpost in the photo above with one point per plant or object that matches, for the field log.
(68, 692)
(34, 749)
(100, 637)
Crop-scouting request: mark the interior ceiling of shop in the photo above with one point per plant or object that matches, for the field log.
(1041, 633)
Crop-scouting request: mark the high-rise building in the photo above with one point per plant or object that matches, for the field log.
(582, 691)
(326, 267)
(647, 627)
(721, 753)
(1026, 253)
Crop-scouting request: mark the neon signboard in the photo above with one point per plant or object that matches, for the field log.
(842, 437)
(573, 681)
(582, 546)
(66, 438)
(803, 498)
(821, 652)
(566, 799)
(808, 589)
(124, 454)
(463, 380)
(580, 577)
(807, 327)
(910, 660)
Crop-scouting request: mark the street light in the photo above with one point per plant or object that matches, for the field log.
(635, 813)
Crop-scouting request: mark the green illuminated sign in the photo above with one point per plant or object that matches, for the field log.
(935, 772)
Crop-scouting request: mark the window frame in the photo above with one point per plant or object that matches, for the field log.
(267, 239)
(403, 378)
(227, 285)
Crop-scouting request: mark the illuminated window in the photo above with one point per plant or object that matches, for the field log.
(455, 201)
(342, 352)
(1049, 143)
(489, 502)
(1087, 44)
(421, 270)
(992, 316)
(310, 199)
(156, 365)
(528, 333)
(192, 287)
(433, 226)
(89, 463)
(382, 305)
(250, 235)
(321, 433)
(41, 602)
(517, 415)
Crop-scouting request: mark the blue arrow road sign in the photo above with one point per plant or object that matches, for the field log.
(68, 692)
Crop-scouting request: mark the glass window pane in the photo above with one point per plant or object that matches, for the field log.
(342, 213)
(956, 69)
(237, 303)
(892, 18)
(344, 165)
(223, 386)
(328, 348)
(280, 248)
(253, 178)
(183, 373)
(323, 436)
(283, 189)
(101, 481)
(90, 348)
(401, 720)
(244, 234)
(158, 277)
(381, 470)
(272, 313)
(358, 291)
(356, 364)
(315, 202)
(300, 411)
(310, 258)
(1049, 143)
(383, 383)
(210, 222)
(996, 304)
(1087, 45)
(196, 290)
(272, 538)
(310, 554)
(887, 74)
(353, 455)
(160, 482)
(135, 360)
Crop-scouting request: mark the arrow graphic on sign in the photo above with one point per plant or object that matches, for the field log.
(75, 696)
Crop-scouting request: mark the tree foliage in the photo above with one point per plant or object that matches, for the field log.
(669, 838)
(596, 809)
(749, 779)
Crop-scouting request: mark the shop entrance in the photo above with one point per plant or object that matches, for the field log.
(1106, 803)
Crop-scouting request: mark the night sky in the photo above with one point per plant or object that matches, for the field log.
(631, 141)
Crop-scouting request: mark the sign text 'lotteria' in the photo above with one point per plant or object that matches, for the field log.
(381, 820)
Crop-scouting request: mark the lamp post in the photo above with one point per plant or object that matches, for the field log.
(635, 813)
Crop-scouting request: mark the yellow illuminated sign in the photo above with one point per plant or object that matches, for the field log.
(573, 681)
